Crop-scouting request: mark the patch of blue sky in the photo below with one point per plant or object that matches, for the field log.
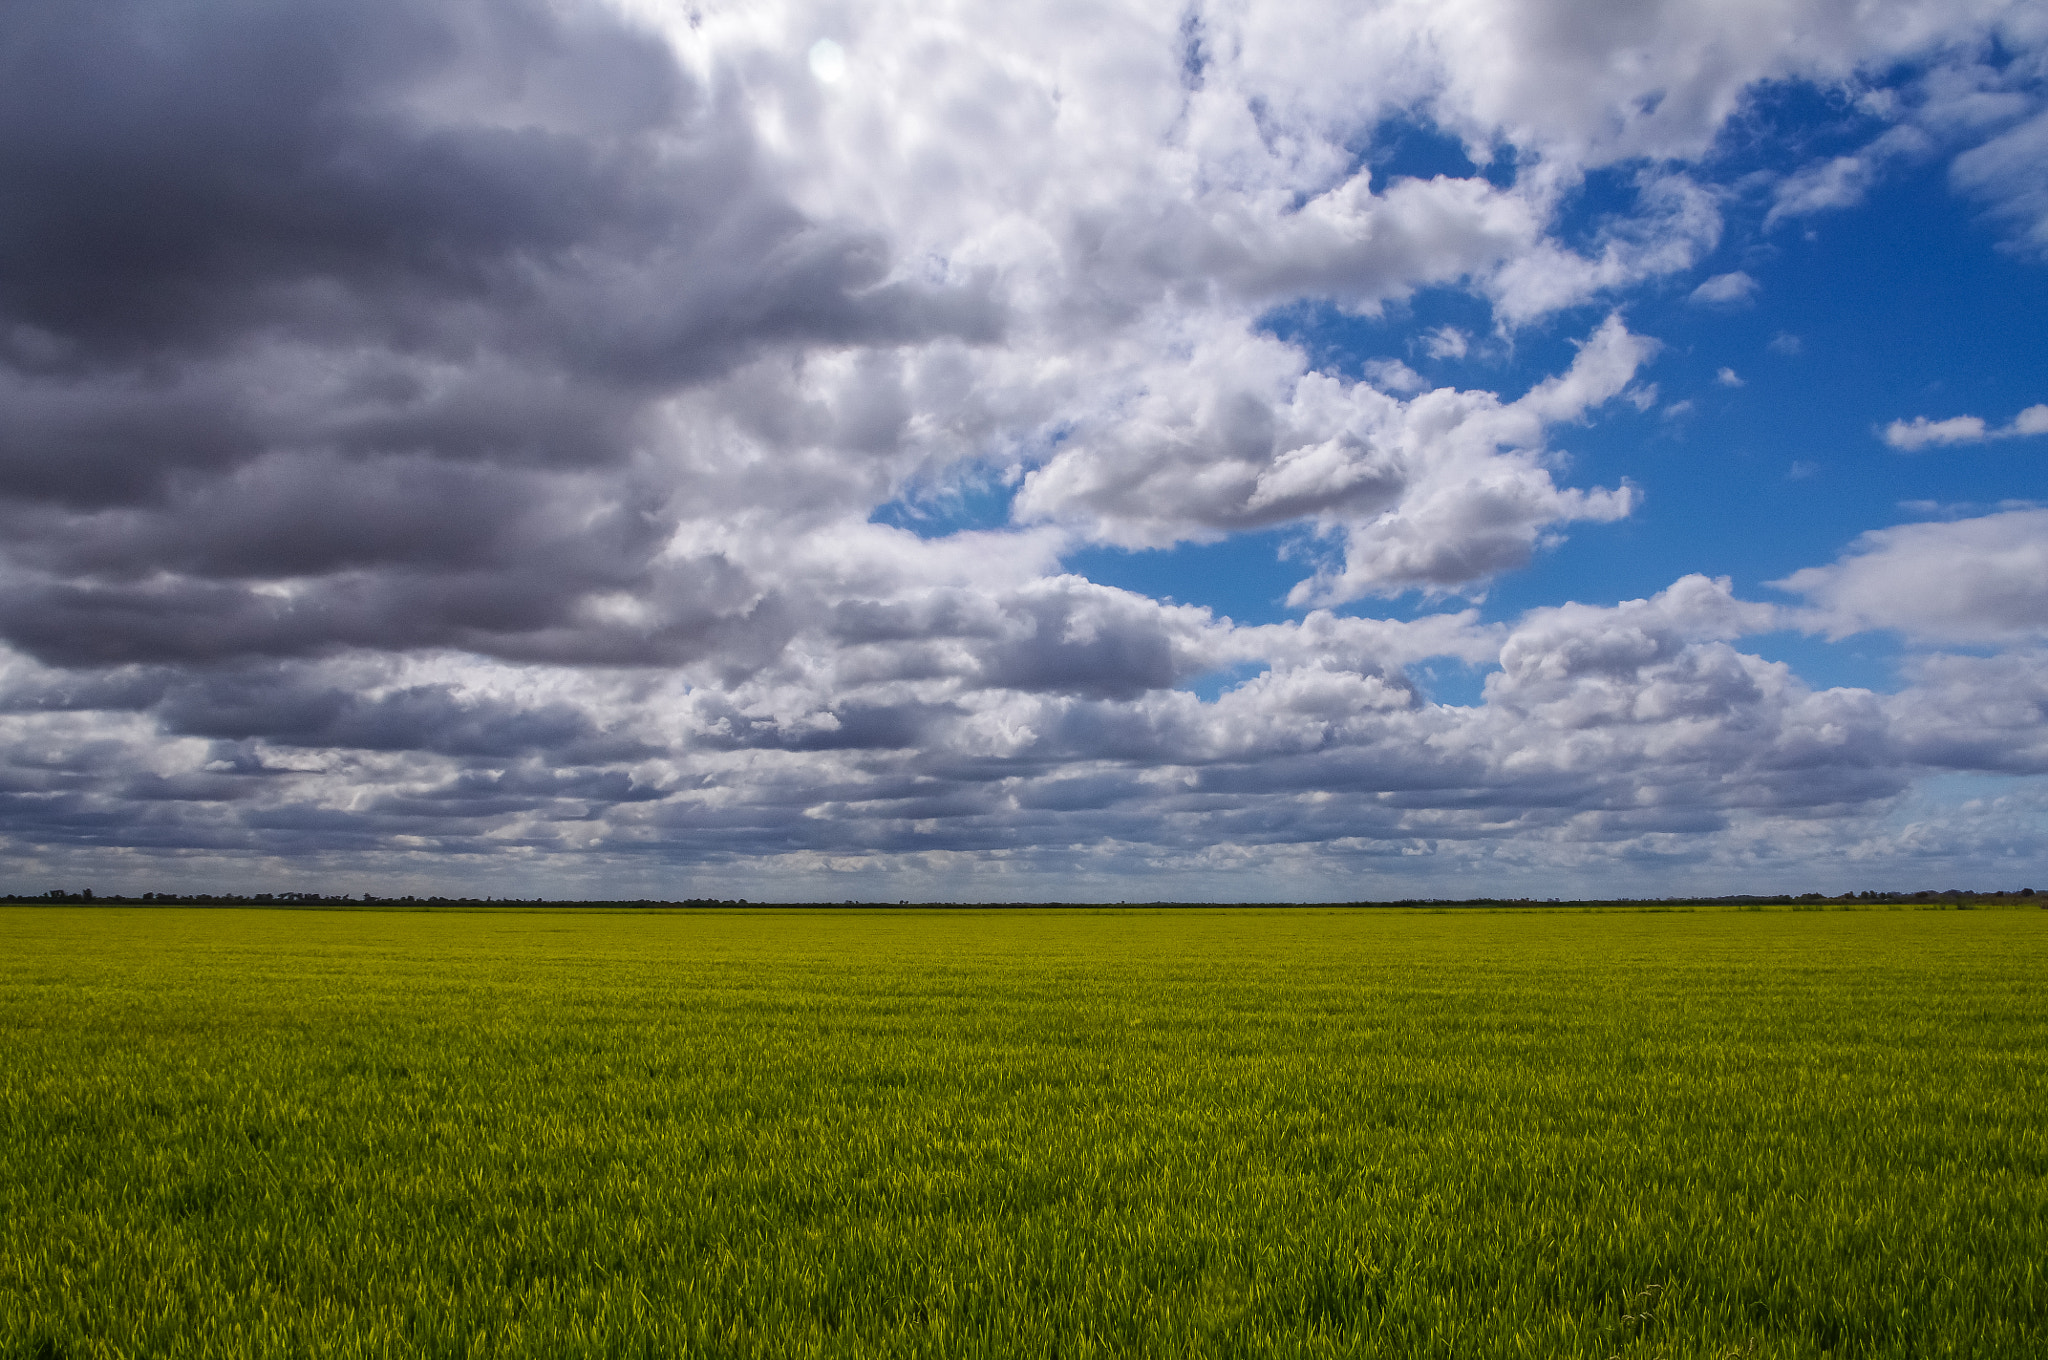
(1211, 686)
(1444, 334)
(1871, 661)
(1788, 122)
(1245, 577)
(1451, 681)
(1406, 147)
(1608, 203)
(1441, 680)
(972, 502)
(1773, 458)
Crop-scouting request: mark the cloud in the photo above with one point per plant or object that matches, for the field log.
(828, 61)
(1725, 290)
(1446, 342)
(1844, 181)
(1606, 731)
(1603, 725)
(1920, 432)
(1965, 581)
(1838, 183)
(1728, 377)
(2006, 172)
(1391, 375)
(1437, 492)
(355, 334)
(1679, 223)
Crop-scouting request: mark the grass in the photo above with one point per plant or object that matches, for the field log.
(1068, 1134)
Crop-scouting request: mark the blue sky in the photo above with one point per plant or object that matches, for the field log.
(1206, 451)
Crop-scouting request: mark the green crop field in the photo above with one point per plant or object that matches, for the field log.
(1301, 1132)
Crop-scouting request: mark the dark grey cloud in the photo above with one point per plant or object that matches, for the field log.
(182, 174)
(1085, 640)
(489, 795)
(842, 727)
(114, 689)
(287, 709)
(375, 297)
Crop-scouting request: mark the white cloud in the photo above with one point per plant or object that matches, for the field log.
(1391, 375)
(2010, 172)
(1438, 491)
(1446, 342)
(1726, 290)
(1971, 580)
(1974, 713)
(1844, 181)
(1837, 183)
(1920, 432)
(1679, 222)
(1728, 377)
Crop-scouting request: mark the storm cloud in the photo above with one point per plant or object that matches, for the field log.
(377, 300)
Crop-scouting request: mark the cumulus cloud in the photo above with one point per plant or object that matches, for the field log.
(1969, 580)
(1910, 436)
(1725, 290)
(1437, 492)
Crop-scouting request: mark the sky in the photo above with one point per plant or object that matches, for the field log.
(991, 452)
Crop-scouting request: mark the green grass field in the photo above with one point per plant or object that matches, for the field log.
(1063, 1134)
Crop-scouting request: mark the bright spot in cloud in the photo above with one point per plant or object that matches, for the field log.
(828, 61)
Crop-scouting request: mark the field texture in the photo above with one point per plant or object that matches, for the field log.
(1048, 1134)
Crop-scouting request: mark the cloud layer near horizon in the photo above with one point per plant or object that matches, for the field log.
(449, 440)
